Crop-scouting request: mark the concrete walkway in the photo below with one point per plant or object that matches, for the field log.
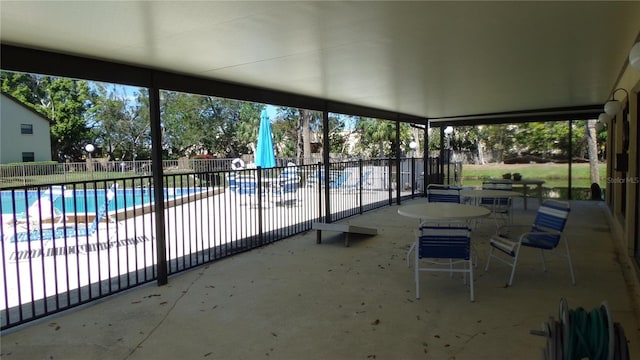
(299, 300)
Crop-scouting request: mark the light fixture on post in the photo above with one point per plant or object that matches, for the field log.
(613, 106)
(448, 131)
(413, 146)
(634, 56)
(603, 119)
(90, 149)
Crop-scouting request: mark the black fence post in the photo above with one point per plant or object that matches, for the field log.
(390, 181)
(361, 185)
(158, 181)
(413, 176)
(319, 184)
(259, 194)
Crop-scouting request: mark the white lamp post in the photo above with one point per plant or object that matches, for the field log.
(90, 149)
(413, 145)
(448, 131)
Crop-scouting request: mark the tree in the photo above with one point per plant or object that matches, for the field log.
(377, 138)
(293, 131)
(304, 134)
(195, 124)
(339, 134)
(68, 100)
(23, 87)
(468, 140)
(238, 127)
(121, 125)
(285, 130)
(180, 121)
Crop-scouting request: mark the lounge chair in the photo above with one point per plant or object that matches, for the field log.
(43, 211)
(349, 179)
(67, 231)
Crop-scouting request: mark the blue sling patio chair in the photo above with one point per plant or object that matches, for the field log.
(290, 171)
(67, 231)
(545, 234)
(499, 206)
(438, 193)
(285, 188)
(443, 193)
(231, 181)
(442, 247)
(247, 186)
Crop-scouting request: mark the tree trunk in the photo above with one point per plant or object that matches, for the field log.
(592, 150)
(299, 140)
(304, 136)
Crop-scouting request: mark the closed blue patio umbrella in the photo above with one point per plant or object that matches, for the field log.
(265, 157)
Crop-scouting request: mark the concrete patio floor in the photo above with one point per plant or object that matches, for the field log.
(298, 300)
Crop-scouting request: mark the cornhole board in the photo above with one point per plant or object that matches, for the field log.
(346, 229)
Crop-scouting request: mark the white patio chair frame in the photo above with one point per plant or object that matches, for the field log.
(510, 247)
(497, 205)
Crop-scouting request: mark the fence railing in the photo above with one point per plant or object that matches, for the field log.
(23, 174)
(70, 243)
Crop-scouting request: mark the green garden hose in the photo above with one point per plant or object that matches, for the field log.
(583, 335)
(588, 334)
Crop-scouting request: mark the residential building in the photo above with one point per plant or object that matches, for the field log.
(25, 135)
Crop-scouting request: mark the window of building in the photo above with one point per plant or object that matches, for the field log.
(28, 157)
(26, 129)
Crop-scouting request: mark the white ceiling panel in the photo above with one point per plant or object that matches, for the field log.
(433, 59)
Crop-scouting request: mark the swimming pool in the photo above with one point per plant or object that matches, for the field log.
(81, 201)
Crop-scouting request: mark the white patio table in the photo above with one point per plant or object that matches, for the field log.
(525, 183)
(443, 212)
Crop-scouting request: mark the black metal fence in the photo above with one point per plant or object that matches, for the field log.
(44, 173)
(68, 244)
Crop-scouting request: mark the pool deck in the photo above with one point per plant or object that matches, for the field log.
(296, 299)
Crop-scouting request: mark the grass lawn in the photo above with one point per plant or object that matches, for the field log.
(554, 175)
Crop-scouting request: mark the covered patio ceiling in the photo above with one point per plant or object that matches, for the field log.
(447, 61)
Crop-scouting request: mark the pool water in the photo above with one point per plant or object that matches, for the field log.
(82, 201)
